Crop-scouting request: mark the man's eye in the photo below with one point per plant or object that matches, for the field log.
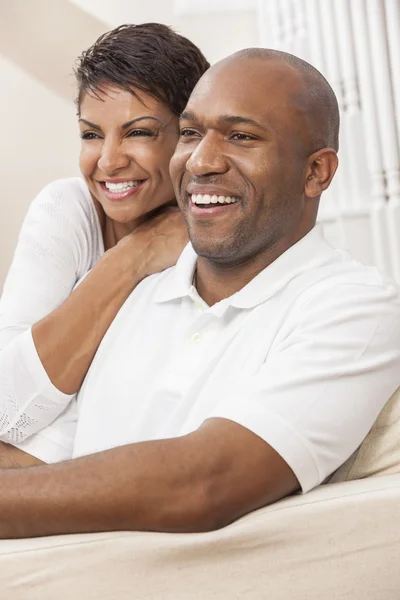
(141, 133)
(242, 137)
(89, 135)
(185, 133)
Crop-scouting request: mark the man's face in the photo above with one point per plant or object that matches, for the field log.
(239, 166)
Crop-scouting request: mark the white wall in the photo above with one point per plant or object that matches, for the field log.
(218, 33)
(39, 40)
(39, 142)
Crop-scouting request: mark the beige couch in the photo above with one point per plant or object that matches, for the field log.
(340, 541)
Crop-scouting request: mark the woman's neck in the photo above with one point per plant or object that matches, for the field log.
(113, 232)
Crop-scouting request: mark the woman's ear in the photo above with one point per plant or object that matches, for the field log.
(321, 168)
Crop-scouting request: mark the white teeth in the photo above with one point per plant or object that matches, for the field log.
(207, 199)
(121, 187)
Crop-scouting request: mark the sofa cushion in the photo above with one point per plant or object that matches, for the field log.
(379, 454)
(335, 542)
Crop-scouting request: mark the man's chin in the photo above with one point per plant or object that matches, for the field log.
(217, 252)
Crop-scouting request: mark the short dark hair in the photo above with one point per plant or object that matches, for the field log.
(150, 57)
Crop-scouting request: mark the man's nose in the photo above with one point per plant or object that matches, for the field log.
(207, 158)
(113, 157)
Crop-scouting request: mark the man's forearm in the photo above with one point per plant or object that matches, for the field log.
(14, 458)
(197, 482)
(101, 492)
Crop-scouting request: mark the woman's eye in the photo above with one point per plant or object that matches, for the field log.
(141, 132)
(89, 135)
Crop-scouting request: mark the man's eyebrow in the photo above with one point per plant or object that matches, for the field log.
(125, 125)
(232, 119)
(188, 115)
(239, 120)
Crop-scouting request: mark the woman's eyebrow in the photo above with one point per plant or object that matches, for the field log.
(124, 126)
(143, 118)
(89, 124)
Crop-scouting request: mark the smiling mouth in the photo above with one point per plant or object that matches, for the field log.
(122, 186)
(210, 201)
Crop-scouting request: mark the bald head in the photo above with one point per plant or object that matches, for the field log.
(306, 89)
(260, 128)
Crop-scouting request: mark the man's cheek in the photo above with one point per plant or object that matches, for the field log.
(177, 165)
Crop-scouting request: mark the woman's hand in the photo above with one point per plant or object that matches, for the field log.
(157, 243)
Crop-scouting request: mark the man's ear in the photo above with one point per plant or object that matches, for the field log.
(321, 168)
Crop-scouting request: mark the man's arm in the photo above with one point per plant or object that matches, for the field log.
(14, 458)
(198, 482)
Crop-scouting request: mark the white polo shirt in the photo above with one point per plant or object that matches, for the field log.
(305, 356)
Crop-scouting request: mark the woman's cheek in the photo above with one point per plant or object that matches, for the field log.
(87, 161)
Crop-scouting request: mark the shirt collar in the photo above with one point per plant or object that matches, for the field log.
(177, 282)
(308, 253)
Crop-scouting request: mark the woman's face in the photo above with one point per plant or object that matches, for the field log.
(126, 147)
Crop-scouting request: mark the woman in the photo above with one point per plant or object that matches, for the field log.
(117, 222)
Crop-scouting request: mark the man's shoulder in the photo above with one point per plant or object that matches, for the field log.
(343, 273)
(343, 288)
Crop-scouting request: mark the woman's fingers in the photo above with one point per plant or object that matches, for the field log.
(160, 240)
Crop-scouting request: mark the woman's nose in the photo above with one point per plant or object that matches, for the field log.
(112, 158)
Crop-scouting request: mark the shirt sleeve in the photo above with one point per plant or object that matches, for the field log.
(322, 387)
(48, 261)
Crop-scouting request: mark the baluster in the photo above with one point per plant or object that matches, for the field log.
(314, 33)
(274, 15)
(393, 30)
(333, 74)
(387, 129)
(368, 103)
(372, 138)
(346, 54)
(265, 31)
(300, 47)
(317, 51)
(287, 25)
(353, 142)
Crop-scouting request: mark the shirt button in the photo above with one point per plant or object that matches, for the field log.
(196, 337)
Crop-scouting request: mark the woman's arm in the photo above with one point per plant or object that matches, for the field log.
(49, 335)
(67, 339)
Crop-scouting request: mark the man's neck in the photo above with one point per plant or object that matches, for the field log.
(216, 281)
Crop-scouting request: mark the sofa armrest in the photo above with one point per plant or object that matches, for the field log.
(338, 541)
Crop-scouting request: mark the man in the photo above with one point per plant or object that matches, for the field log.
(258, 364)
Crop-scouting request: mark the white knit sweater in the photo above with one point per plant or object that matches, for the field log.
(60, 241)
